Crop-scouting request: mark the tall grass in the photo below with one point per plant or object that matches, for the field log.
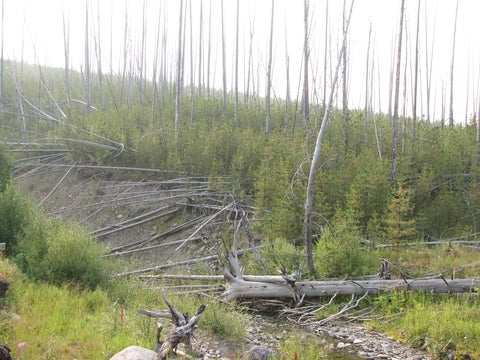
(436, 324)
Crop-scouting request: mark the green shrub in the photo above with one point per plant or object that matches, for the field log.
(283, 254)
(5, 172)
(221, 320)
(338, 253)
(15, 213)
(62, 253)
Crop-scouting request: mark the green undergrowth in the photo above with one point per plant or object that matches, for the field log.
(440, 324)
(45, 321)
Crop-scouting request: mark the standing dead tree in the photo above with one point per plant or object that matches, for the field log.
(306, 53)
(415, 81)
(450, 116)
(178, 89)
(316, 157)
(397, 96)
(269, 75)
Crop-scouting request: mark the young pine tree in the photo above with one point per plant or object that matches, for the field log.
(399, 223)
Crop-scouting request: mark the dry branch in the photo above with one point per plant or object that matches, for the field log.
(182, 333)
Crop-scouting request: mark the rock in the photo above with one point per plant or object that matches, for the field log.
(259, 352)
(134, 353)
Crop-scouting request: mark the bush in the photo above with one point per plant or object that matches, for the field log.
(62, 253)
(338, 253)
(15, 213)
(5, 172)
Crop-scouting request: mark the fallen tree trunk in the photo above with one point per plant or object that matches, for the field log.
(287, 286)
(239, 288)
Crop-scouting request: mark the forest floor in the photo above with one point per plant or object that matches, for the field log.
(115, 206)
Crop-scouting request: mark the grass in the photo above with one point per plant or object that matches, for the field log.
(67, 322)
(433, 323)
(44, 321)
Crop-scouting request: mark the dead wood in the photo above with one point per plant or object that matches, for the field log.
(5, 352)
(238, 286)
(182, 332)
(152, 247)
(176, 264)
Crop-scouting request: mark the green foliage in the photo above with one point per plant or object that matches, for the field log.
(62, 253)
(455, 317)
(338, 253)
(5, 171)
(400, 224)
(282, 254)
(301, 347)
(219, 319)
(16, 212)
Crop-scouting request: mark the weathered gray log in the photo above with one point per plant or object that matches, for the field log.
(240, 288)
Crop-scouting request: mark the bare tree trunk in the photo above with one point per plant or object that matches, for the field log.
(142, 61)
(178, 89)
(428, 64)
(450, 117)
(415, 81)
(209, 48)
(155, 67)
(395, 106)
(467, 95)
(98, 53)
(235, 111)
(306, 53)
(269, 75)
(163, 66)
(66, 49)
(192, 73)
(200, 51)
(325, 59)
(367, 85)
(287, 90)
(250, 65)
(344, 89)
(125, 52)
(87, 62)
(224, 63)
(404, 95)
(316, 157)
(442, 119)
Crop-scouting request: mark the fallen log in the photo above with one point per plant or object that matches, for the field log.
(239, 288)
(287, 286)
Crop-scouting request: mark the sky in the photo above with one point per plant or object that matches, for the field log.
(33, 31)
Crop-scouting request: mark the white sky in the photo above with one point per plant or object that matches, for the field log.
(33, 25)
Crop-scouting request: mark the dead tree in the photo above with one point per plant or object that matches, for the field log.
(224, 63)
(415, 82)
(88, 86)
(235, 111)
(178, 89)
(450, 116)
(288, 286)
(395, 105)
(182, 333)
(316, 158)
(269, 75)
(306, 53)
